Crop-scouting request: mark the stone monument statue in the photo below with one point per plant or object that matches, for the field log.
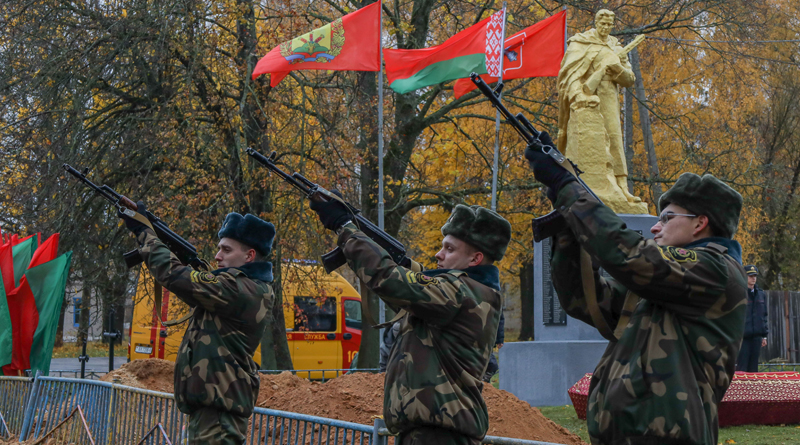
(589, 129)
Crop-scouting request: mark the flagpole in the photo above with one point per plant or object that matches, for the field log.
(565, 31)
(495, 162)
(381, 304)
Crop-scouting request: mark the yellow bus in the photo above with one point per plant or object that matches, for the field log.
(322, 314)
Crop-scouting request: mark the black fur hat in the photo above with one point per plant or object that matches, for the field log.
(706, 196)
(482, 228)
(249, 230)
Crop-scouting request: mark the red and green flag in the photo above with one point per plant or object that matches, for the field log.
(476, 49)
(349, 43)
(48, 283)
(22, 254)
(6, 286)
(536, 51)
(33, 308)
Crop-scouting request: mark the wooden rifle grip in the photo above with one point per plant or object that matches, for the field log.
(128, 203)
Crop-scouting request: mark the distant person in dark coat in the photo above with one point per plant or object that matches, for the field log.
(755, 325)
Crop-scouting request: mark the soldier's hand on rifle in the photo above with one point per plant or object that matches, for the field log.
(332, 213)
(134, 224)
(545, 168)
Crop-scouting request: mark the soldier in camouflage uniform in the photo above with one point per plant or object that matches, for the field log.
(448, 324)
(216, 379)
(662, 381)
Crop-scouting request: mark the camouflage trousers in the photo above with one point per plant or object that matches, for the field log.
(209, 426)
(434, 436)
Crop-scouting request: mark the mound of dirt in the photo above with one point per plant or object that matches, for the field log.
(356, 398)
(154, 374)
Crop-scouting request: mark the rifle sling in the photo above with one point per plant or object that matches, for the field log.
(140, 218)
(590, 293)
(631, 300)
(158, 297)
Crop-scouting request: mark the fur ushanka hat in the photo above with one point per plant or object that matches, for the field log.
(249, 230)
(482, 228)
(706, 196)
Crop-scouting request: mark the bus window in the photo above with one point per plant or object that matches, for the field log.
(314, 314)
(352, 314)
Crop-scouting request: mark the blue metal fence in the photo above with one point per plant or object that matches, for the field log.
(117, 414)
(14, 394)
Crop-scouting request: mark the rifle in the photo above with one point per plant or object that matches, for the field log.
(594, 81)
(547, 225)
(335, 258)
(183, 249)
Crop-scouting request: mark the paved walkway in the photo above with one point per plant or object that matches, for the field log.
(96, 364)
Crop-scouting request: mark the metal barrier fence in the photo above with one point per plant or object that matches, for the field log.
(14, 394)
(89, 373)
(117, 414)
(777, 367)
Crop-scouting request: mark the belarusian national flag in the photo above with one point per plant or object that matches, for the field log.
(536, 51)
(475, 49)
(349, 43)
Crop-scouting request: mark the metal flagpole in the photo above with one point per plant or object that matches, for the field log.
(381, 304)
(495, 163)
(565, 33)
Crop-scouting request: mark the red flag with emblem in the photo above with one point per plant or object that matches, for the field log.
(349, 43)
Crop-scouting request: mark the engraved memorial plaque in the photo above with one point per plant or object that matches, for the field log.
(552, 314)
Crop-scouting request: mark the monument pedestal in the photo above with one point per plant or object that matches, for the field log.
(541, 372)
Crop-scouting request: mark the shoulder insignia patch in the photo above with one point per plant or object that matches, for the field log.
(418, 278)
(203, 277)
(678, 254)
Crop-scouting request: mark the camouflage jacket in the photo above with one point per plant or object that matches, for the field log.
(433, 376)
(215, 364)
(662, 382)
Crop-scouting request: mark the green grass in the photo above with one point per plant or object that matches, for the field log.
(747, 434)
(760, 435)
(566, 417)
(93, 349)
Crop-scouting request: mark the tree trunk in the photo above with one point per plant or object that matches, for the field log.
(59, 340)
(647, 134)
(281, 352)
(86, 304)
(367, 92)
(275, 353)
(526, 301)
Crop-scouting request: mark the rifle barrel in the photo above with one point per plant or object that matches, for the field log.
(266, 162)
(490, 94)
(102, 191)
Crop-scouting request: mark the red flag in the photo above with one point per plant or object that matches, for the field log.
(46, 251)
(24, 321)
(536, 51)
(7, 266)
(349, 43)
(15, 239)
